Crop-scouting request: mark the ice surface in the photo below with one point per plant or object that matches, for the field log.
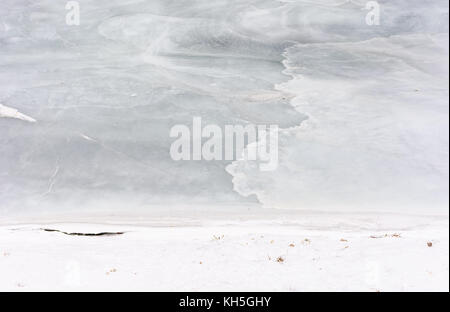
(363, 109)
(376, 139)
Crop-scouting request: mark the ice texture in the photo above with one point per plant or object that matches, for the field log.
(363, 110)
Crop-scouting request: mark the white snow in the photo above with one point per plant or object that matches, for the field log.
(311, 252)
(9, 112)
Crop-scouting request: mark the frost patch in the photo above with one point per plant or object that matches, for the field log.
(9, 112)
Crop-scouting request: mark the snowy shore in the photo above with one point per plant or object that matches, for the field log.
(309, 253)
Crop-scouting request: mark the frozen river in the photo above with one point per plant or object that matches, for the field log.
(86, 110)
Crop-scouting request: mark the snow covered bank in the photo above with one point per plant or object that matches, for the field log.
(312, 253)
